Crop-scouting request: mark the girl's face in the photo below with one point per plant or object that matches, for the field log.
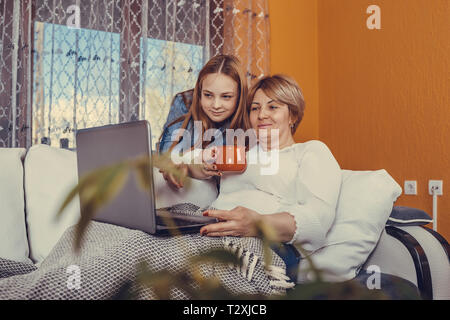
(267, 114)
(219, 96)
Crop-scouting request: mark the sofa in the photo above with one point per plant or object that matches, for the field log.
(365, 240)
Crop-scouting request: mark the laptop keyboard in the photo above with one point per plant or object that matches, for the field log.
(178, 222)
(164, 218)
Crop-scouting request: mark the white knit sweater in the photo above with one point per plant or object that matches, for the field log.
(305, 182)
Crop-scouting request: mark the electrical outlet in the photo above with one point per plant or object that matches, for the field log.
(437, 186)
(410, 187)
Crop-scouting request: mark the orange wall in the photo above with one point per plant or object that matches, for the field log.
(382, 96)
(293, 51)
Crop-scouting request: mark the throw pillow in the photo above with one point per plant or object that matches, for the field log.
(13, 234)
(365, 203)
(50, 174)
(406, 216)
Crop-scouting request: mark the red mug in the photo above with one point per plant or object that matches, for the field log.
(230, 158)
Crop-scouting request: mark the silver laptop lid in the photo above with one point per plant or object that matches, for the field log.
(97, 147)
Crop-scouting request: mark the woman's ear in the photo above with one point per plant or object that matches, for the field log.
(291, 120)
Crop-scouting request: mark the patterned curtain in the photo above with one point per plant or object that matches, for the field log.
(71, 64)
(247, 33)
(15, 72)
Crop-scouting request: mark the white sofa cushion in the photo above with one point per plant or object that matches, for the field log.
(365, 203)
(50, 173)
(13, 233)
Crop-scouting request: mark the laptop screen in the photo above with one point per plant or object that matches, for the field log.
(104, 146)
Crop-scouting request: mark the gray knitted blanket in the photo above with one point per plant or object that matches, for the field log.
(110, 254)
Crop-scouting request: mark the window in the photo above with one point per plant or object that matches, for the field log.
(124, 66)
(77, 80)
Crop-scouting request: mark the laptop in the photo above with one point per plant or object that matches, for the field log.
(133, 207)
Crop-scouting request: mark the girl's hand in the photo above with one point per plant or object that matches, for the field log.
(208, 167)
(204, 171)
(240, 222)
(172, 180)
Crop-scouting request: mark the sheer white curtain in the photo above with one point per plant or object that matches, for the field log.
(70, 64)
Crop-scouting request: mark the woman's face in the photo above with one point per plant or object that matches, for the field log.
(219, 96)
(267, 114)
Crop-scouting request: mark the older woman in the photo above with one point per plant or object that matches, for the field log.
(300, 199)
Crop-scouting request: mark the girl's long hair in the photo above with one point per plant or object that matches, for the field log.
(228, 65)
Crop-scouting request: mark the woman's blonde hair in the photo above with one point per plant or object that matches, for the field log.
(224, 64)
(283, 89)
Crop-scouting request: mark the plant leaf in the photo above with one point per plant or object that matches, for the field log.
(267, 233)
(143, 173)
(98, 192)
(216, 255)
(165, 163)
(84, 182)
(162, 281)
(318, 274)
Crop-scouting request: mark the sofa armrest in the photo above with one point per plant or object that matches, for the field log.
(392, 257)
(436, 249)
(415, 254)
